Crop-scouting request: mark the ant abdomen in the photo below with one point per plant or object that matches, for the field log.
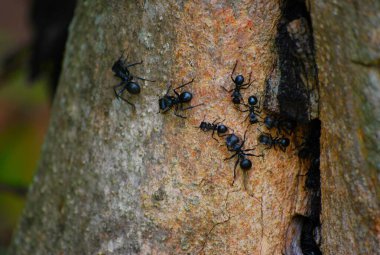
(245, 164)
(185, 97)
(133, 88)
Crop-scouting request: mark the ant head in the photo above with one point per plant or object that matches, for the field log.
(265, 139)
(239, 80)
(269, 122)
(284, 142)
(245, 164)
(252, 100)
(203, 125)
(289, 125)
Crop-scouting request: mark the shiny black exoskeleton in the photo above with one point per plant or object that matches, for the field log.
(214, 126)
(281, 124)
(235, 145)
(313, 180)
(310, 147)
(232, 140)
(253, 110)
(168, 101)
(239, 85)
(269, 141)
(120, 68)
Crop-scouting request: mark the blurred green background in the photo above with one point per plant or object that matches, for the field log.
(24, 116)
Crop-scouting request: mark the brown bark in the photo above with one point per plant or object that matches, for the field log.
(348, 57)
(116, 181)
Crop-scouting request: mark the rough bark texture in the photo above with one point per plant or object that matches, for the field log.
(348, 55)
(117, 181)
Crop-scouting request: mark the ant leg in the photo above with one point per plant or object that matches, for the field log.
(250, 149)
(249, 81)
(176, 113)
(122, 57)
(191, 107)
(231, 157)
(264, 133)
(144, 79)
(166, 110)
(245, 119)
(239, 109)
(183, 85)
(236, 163)
(241, 97)
(229, 91)
(246, 86)
(204, 117)
(168, 89)
(258, 108)
(245, 135)
(116, 86)
(233, 70)
(213, 132)
(125, 100)
(134, 64)
(261, 123)
(254, 155)
(215, 121)
(258, 115)
(119, 93)
(220, 122)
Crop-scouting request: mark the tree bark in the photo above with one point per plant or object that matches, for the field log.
(117, 181)
(348, 56)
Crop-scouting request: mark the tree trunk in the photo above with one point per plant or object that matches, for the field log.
(348, 56)
(113, 180)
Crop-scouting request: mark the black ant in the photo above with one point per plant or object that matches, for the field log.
(234, 145)
(313, 177)
(214, 126)
(239, 85)
(310, 147)
(269, 141)
(167, 101)
(252, 109)
(281, 124)
(120, 68)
